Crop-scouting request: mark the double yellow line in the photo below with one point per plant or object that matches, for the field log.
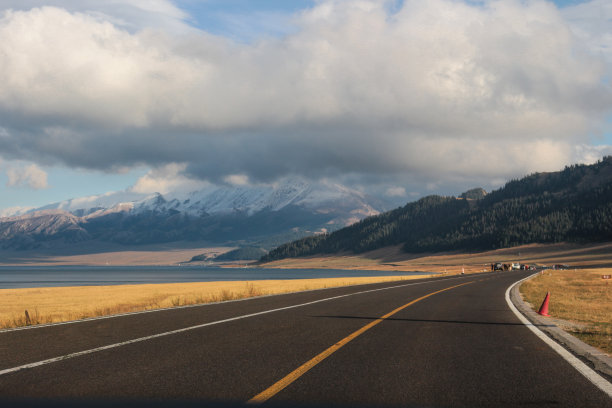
(301, 370)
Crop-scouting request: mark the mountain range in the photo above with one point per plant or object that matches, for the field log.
(573, 205)
(267, 215)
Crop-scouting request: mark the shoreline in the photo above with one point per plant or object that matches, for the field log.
(387, 259)
(112, 254)
(72, 276)
(60, 304)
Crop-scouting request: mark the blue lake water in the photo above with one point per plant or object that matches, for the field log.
(47, 276)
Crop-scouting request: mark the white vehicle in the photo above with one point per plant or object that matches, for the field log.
(516, 266)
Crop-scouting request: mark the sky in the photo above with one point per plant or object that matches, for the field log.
(398, 99)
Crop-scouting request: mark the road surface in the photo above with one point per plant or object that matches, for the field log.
(449, 342)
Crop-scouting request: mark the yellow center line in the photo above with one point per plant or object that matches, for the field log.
(301, 370)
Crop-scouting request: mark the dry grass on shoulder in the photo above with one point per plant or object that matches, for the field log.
(51, 305)
(580, 297)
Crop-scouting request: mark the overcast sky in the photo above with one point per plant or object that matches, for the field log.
(397, 98)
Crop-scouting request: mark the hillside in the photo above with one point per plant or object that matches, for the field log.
(265, 215)
(573, 205)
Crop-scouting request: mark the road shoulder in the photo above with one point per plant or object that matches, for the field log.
(594, 358)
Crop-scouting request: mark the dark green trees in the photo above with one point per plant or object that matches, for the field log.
(571, 205)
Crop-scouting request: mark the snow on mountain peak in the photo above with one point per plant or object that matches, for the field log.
(283, 210)
(14, 211)
(83, 206)
(321, 197)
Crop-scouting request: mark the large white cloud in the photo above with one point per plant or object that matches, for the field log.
(165, 179)
(590, 21)
(31, 176)
(132, 15)
(430, 90)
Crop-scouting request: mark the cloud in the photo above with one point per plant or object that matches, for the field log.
(165, 179)
(590, 21)
(237, 179)
(428, 91)
(396, 192)
(131, 15)
(590, 154)
(31, 176)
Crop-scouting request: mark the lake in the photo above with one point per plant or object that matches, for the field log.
(48, 276)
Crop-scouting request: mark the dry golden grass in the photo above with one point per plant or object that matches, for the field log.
(49, 305)
(581, 297)
(393, 259)
(388, 259)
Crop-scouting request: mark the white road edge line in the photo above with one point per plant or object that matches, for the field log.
(154, 336)
(582, 368)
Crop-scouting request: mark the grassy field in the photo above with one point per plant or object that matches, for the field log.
(393, 259)
(49, 305)
(580, 297)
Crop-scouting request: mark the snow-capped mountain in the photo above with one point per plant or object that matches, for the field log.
(217, 200)
(293, 207)
(86, 205)
(251, 200)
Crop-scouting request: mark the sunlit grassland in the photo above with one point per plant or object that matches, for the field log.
(581, 297)
(51, 305)
(395, 259)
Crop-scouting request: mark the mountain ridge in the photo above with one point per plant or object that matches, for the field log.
(290, 208)
(573, 205)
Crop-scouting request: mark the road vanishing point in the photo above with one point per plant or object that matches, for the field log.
(445, 342)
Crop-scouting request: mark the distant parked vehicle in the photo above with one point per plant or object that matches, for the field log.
(560, 266)
(516, 266)
(497, 266)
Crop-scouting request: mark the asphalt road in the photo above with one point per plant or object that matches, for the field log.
(456, 346)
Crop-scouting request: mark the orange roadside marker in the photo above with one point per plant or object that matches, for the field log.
(544, 308)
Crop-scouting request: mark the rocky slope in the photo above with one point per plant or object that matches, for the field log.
(266, 214)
